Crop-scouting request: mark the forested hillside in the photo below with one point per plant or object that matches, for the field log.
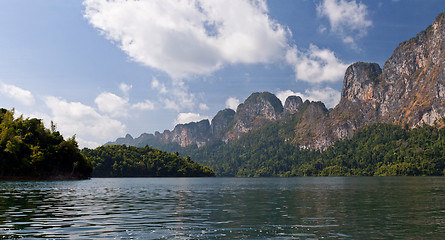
(376, 150)
(123, 161)
(28, 150)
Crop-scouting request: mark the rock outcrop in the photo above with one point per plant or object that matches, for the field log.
(222, 121)
(258, 109)
(291, 105)
(409, 90)
(198, 133)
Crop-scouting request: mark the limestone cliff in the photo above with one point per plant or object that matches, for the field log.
(409, 90)
(258, 109)
(291, 105)
(222, 121)
(198, 133)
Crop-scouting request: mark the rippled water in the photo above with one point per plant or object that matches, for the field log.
(225, 208)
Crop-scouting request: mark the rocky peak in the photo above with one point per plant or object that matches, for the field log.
(291, 105)
(253, 113)
(424, 50)
(410, 88)
(198, 133)
(221, 121)
(265, 105)
(359, 82)
(315, 110)
(413, 78)
(127, 140)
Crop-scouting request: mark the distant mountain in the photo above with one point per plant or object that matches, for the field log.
(409, 90)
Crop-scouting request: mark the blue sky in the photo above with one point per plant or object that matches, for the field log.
(100, 69)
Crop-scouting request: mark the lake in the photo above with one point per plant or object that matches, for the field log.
(225, 208)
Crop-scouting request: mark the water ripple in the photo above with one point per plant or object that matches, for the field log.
(224, 208)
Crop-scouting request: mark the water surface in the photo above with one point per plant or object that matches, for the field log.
(225, 208)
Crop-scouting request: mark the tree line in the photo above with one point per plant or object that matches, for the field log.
(376, 150)
(123, 161)
(29, 150)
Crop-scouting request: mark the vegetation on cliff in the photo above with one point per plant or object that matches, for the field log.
(123, 161)
(376, 150)
(30, 151)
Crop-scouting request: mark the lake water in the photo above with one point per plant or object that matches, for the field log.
(225, 208)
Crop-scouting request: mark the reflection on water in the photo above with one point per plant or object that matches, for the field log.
(225, 208)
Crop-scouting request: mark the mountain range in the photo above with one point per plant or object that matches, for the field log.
(409, 91)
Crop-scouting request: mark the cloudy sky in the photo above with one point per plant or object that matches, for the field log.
(100, 69)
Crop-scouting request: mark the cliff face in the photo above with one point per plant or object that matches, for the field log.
(291, 105)
(258, 109)
(222, 121)
(413, 78)
(198, 133)
(410, 89)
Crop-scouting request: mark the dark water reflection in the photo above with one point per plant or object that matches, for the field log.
(225, 208)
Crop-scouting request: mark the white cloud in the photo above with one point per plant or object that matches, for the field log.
(232, 103)
(176, 97)
(112, 104)
(348, 19)
(75, 118)
(21, 95)
(316, 65)
(157, 85)
(146, 105)
(329, 96)
(125, 88)
(184, 38)
(189, 117)
(203, 106)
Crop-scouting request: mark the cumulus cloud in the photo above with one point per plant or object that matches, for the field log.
(329, 96)
(146, 105)
(189, 117)
(125, 88)
(21, 95)
(348, 19)
(76, 118)
(232, 103)
(112, 104)
(176, 97)
(203, 106)
(156, 84)
(185, 38)
(316, 65)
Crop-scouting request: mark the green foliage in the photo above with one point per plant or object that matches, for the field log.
(389, 150)
(29, 150)
(376, 150)
(123, 161)
(265, 152)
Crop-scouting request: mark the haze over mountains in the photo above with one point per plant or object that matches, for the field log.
(409, 90)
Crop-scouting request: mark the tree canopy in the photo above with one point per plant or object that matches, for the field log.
(123, 161)
(376, 150)
(29, 150)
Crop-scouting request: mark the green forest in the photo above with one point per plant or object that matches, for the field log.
(30, 151)
(376, 150)
(123, 161)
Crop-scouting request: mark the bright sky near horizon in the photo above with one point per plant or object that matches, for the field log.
(100, 69)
